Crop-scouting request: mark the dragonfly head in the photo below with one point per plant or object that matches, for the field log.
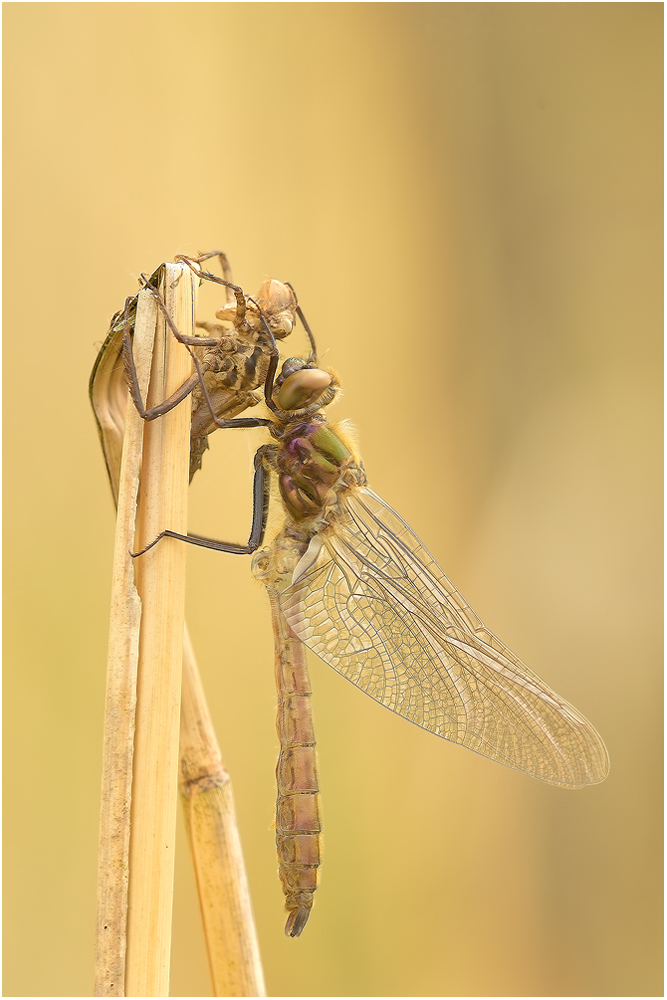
(302, 388)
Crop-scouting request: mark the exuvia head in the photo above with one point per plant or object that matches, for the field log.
(275, 301)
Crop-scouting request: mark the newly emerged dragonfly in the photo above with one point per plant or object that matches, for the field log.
(347, 577)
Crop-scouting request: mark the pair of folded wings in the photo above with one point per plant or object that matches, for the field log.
(372, 603)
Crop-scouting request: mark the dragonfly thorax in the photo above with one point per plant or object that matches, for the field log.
(312, 464)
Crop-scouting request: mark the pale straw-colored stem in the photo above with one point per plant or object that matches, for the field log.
(161, 584)
(205, 786)
(120, 702)
(206, 793)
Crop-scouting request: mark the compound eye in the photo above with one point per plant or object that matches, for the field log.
(302, 388)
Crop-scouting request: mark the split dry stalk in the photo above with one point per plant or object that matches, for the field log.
(121, 690)
(205, 786)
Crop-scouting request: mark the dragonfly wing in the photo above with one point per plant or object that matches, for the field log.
(377, 608)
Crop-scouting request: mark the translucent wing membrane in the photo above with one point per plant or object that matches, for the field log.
(376, 607)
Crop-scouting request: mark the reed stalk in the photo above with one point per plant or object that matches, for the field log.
(224, 898)
(123, 654)
(205, 786)
(161, 585)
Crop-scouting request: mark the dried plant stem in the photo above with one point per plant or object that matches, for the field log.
(161, 585)
(134, 859)
(206, 793)
(121, 691)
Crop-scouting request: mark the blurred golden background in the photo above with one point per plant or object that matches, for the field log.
(467, 198)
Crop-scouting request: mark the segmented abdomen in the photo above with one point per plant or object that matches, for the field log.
(298, 803)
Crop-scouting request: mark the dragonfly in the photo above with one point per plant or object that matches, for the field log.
(347, 578)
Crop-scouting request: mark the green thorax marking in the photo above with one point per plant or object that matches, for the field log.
(311, 461)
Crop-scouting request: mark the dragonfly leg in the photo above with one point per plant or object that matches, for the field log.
(232, 290)
(260, 510)
(304, 322)
(222, 259)
(133, 382)
(131, 372)
(274, 357)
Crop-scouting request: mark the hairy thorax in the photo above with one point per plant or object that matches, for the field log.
(314, 466)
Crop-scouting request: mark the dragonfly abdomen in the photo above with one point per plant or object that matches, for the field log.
(298, 823)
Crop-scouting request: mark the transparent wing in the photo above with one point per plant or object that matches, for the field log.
(375, 606)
